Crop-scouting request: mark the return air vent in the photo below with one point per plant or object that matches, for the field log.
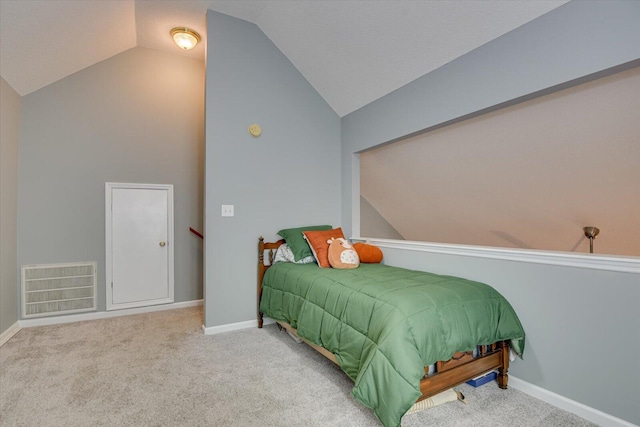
(58, 289)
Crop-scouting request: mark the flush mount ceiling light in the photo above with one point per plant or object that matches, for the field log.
(185, 38)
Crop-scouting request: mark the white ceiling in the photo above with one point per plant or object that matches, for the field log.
(351, 51)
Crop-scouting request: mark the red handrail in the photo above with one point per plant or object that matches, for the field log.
(196, 232)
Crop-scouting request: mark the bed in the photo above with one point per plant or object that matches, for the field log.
(401, 335)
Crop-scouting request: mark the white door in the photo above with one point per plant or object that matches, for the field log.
(139, 245)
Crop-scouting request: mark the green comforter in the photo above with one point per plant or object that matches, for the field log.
(384, 324)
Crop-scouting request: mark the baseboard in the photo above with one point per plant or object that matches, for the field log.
(212, 330)
(45, 321)
(588, 413)
(10, 332)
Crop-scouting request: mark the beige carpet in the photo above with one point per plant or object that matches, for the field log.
(159, 369)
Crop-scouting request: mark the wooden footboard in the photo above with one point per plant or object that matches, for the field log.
(458, 372)
(462, 367)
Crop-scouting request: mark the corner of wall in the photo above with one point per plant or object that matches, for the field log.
(10, 114)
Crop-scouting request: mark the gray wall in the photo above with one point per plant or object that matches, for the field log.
(136, 117)
(10, 105)
(289, 176)
(576, 42)
(579, 324)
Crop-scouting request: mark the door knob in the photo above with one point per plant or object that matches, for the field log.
(162, 244)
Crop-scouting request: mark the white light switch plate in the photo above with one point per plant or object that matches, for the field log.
(227, 210)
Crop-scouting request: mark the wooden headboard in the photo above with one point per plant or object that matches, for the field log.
(270, 249)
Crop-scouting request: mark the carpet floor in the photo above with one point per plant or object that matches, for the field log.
(158, 369)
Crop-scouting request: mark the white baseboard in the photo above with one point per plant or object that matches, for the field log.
(212, 330)
(581, 410)
(10, 332)
(45, 321)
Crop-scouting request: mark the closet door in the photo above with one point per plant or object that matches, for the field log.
(139, 248)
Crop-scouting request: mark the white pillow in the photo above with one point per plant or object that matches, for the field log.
(284, 254)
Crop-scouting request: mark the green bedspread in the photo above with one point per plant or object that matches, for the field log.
(384, 324)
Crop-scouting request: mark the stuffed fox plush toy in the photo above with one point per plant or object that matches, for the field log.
(342, 254)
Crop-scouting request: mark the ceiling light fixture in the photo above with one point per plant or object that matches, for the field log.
(185, 38)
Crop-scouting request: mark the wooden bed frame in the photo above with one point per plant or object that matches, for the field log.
(462, 367)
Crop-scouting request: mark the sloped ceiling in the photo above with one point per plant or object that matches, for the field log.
(528, 176)
(352, 52)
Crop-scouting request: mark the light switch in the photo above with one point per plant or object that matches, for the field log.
(227, 210)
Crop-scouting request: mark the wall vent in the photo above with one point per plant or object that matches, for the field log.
(58, 289)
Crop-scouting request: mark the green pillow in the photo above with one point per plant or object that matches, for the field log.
(296, 241)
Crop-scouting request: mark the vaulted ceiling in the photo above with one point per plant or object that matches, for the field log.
(352, 52)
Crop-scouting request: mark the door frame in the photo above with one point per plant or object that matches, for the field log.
(109, 186)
